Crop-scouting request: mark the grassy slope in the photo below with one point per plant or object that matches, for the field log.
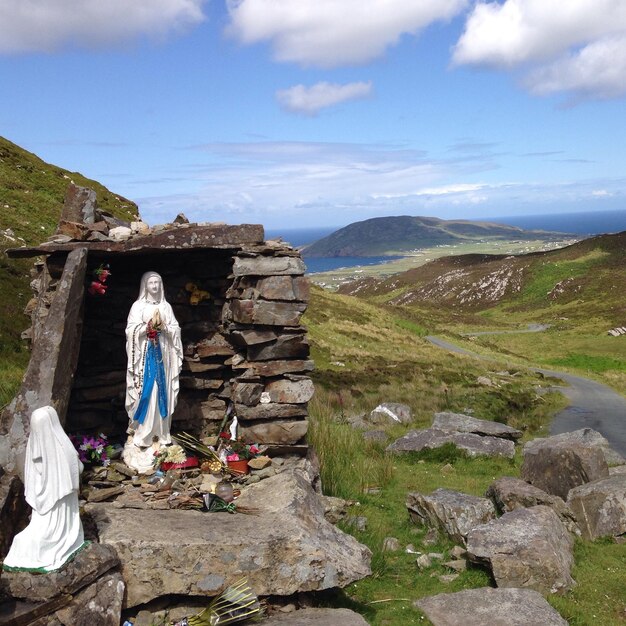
(385, 358)
(366, 354)
(31, 198)
(589, 302)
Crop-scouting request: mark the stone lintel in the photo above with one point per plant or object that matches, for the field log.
(194, 237)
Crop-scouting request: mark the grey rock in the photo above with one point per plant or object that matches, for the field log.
(79, 205)
(358, 522)
(457, 552)
(268, 266)
(291, 391)
(335, 509)
(391, 412)
(50, 371)
(457, 422)
(100, 604)
(453, 512)
(88, 565)
(509, 494)
(600, 507)
(120, 233)
(496, 607)
(265, 312)
(423, 561)
(14, 511)
(284, 432)
(294, 548)
(591, 439)
(181, 218)
(446, 579)
(378, 436)
(458, 565)
(525, 548)
(558, 464)
(316, 617)
(474, 445)
(391, 544)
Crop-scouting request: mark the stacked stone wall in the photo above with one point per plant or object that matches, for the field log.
(243, 342)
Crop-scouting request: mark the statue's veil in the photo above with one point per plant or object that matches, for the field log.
(143, 293)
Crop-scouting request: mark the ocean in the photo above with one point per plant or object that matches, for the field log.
(595, 223)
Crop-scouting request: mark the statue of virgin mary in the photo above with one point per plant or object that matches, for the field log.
(155, 356)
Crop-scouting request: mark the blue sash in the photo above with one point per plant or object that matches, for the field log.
(153, 372)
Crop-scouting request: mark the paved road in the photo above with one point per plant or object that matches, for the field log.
(531, 328)
(592, 405)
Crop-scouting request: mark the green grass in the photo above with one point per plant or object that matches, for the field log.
(385, 359)
(31, 199)
(591, 363)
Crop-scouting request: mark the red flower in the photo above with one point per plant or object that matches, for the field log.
(97, 288)
(224, 435)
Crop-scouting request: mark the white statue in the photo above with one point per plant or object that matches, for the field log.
(155, 356)
(51, 483)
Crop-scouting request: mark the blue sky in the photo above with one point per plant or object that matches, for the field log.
(296, 113)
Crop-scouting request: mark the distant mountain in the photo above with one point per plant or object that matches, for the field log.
(398, 235)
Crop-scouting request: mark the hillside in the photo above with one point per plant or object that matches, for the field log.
(31, 197)
(397, 235)
(575, 278)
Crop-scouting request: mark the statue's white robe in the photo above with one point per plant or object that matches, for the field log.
(51, 484)
(154, 425)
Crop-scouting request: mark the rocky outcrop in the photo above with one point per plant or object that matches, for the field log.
(88, 565)
(600, 507)
(452, 512)
(510, 494)
(285, 547)
(496, 607)
(590, 438)
(87, 591)
(457, 422)
(560, 463)
(525, 548)
(473, 445)
(50, 373)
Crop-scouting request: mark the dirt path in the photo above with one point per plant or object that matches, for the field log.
(592, 405)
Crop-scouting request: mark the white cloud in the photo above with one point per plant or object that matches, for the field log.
(598, 70)
(47, 25)
(576, 46)
(330, 33)
(311, 100)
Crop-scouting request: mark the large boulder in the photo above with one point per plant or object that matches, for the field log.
(496, 607)
(592, 439)
(316, 617)
(560, 463)
(509, 494)
(600, 507)
(525, 548)
(474, 445)
(457, 422)
(285, 547)
(453, 512)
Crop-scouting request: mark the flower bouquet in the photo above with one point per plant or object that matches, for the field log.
(173, 457)
(92, 449)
